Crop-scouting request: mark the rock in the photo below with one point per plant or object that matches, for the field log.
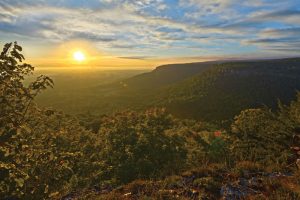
(240, 189)
(188, 179)
(127, 194)
(229, 192)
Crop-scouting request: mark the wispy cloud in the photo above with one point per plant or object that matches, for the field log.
(136, 57)
(157, 27)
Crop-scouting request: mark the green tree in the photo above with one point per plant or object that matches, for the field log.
(43, 153)
(15, 102)
(290, 114)
(140, 145)
(260, 136)
(62, 156)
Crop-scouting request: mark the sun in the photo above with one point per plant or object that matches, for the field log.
(78, 56)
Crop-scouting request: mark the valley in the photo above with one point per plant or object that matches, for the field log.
(208, 91)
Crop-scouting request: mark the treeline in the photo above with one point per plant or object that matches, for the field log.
(46, 154)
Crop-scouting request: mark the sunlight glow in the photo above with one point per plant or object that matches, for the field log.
(78, 56)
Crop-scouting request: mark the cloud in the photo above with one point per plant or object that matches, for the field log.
(288, 17)
(148, 26)
(281, 32)
(135, 57)
(280, 40)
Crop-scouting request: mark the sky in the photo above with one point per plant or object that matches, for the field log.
(146, 33)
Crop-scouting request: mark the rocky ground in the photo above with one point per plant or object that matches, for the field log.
(210, 183)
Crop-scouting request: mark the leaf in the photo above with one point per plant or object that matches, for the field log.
(20, 182)
(6, 48)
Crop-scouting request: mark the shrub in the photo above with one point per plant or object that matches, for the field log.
(260, 136)
(140, 145)
(15, 102)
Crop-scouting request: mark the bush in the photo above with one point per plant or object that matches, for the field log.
(140, 145)
(260, 136)
(15, 104)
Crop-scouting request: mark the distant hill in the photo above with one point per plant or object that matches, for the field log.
(223, 90)
(166, 74)
(205, 91)
(211, 90)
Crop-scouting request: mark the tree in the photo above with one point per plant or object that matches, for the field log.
(260, 136)
(140, 145)
(15, 102)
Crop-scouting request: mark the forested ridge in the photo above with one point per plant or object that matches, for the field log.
(149, 153)
(225, 89)
(210, 91)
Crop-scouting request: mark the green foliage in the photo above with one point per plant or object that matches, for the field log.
(218, 150)
(62, 156)
(260, 136)
(140, 145)
(43, 153)
(264, 136)
(290, 115)
(15, 102)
